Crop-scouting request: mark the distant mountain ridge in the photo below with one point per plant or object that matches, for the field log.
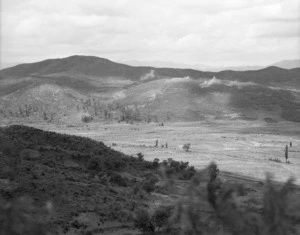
(85, 65)
(76, 86)
(285, 64)
(288, 64)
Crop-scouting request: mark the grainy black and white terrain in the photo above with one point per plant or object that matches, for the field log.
(90, 146)
(65, 90)
(130, 117)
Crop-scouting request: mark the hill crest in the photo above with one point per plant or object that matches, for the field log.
(108, 90)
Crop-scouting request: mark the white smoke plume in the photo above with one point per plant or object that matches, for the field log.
(216, 81)
(176, 80)
(210, 82)
(149, 75)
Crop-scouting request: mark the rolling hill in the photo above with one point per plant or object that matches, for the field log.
(65, 90)
(77, 175)
(285, 64)
(288, 64)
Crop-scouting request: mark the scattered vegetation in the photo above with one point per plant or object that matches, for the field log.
(180, 169)
(218, 210)
(160, 219)
(18, 218)
(275, 160)
(140, 156)
(149, 183)
(51, 111)
(186, 147)
(143, 221)
(69, 169)
(80, 175)
(86, 118)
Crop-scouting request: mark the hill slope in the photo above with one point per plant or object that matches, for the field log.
(79, 176)
(288, 64)
(76, 86)
(80, 186)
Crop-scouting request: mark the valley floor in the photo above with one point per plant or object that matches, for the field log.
(240, 147)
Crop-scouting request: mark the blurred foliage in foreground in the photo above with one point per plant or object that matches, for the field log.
(36, 163)
(210, 206)
(215, 210)
(20, 217)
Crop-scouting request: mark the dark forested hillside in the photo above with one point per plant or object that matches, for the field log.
(77, 175)
(62, 184)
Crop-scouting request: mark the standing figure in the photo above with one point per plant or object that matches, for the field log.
(156, 143)
(286, 153)
(290, 144)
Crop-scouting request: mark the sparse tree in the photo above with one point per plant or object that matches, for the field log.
(186, 147)
(140, 156)
(143, 221)
(155, 162)
(161, 217)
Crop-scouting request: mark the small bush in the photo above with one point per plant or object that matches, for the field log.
(213, 172)
(274, 160)
(95, 163)
(140, 156)
(143, 221)
(161, 217)
(186, 147)
(114, 163)
(188, 173)
(17, 218)
(180, 169)
(117, 179)
(149, 184)
(86, 119)
(155, 163)
(149, 223)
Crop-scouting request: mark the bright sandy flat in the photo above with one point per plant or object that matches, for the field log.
(242, 147)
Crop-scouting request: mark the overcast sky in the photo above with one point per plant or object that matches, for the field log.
(213, 32)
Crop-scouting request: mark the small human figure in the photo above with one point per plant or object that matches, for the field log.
(156, 143)
(291, 144)
(286, 153)
(166, 144)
